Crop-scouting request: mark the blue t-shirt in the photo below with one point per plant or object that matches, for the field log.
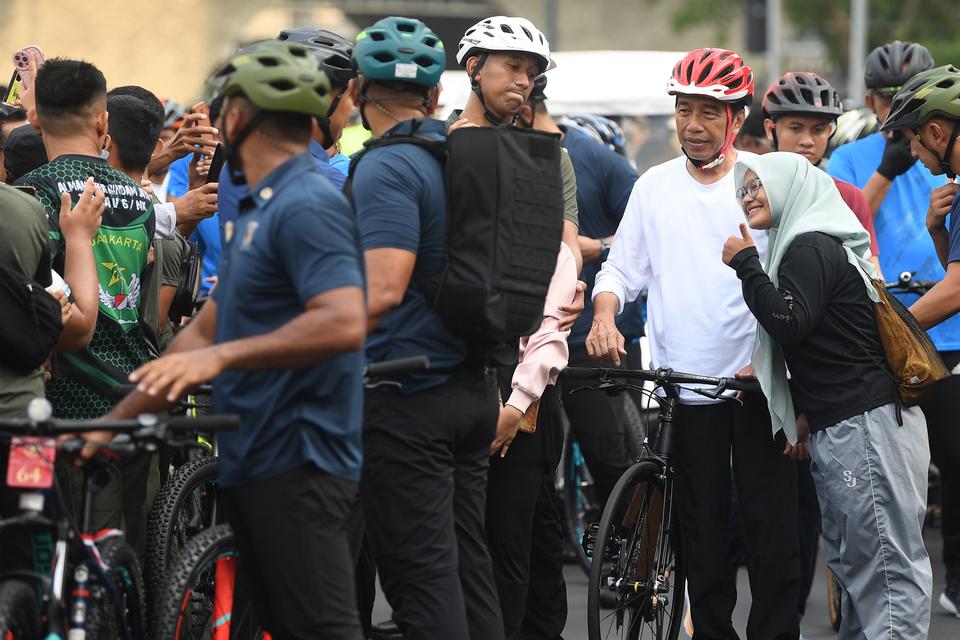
(604, 183)
(208, 246)
(341, 162)
(954, 254)
(400, 199)
(229, 194)
(901, 222)
(207, 237)
(179, 180)
(295, 239)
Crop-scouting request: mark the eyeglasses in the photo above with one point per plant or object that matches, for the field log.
(753, 188)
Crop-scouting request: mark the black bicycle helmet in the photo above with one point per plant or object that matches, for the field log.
(891, 65)
(333, 51)
(801, 92)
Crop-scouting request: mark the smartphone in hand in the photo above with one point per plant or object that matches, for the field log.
(216, 165)
(12, 94)
(21, 62)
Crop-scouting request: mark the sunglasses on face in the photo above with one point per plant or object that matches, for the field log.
(752, 189)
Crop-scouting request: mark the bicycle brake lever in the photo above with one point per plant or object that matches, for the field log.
(717, 394)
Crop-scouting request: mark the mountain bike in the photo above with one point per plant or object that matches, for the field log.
(201, 598)
(637, 572)
(188, 501)
(91, 586)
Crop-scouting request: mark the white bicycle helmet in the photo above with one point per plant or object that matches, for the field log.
(505, 34)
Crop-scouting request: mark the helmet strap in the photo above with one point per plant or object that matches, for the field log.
(231, 148)
(491, 117)
(706, 165)
(945, 159)
(324, 121)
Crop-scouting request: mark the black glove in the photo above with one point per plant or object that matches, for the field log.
(897, 158)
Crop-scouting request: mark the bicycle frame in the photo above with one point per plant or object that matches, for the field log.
(68, 538)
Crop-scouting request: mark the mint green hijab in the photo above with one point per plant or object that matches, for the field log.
(802, 199)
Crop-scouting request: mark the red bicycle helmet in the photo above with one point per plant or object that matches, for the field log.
(713, 73)
(718, 74)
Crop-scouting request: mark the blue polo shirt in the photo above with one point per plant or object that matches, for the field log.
(229, 194)
(901, 222)
(295, 238)
(604, 183)
(400, 199)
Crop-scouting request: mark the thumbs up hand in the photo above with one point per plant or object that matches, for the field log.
(736, 244)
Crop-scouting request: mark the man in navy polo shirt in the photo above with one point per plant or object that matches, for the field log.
(426, 439)
(282, 337)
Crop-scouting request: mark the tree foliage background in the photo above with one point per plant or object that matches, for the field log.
(933, 23)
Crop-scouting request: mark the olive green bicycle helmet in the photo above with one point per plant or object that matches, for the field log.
(929, 94)
(276, 76)
(398, 49)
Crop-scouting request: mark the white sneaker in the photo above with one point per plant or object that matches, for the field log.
(950, 601)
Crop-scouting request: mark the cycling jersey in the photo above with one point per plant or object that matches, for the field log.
(120, 250)
(900, 222)
(604, 183)
(400, 199)
(670, 241)
(295, 239)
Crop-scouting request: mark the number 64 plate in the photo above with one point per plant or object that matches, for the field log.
(31, 463)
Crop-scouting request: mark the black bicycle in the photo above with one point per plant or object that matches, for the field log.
(93, 588)
(188, 502)
(637, 573)
(200, 599)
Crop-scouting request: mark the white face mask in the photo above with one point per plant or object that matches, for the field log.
(104, 154)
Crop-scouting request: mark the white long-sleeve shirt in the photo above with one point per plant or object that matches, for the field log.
(670, 242)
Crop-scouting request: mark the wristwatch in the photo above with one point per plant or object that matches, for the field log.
(604, 245)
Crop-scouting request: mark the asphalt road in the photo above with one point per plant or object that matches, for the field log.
(815, 625)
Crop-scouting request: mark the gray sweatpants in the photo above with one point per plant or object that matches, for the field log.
(871, 477)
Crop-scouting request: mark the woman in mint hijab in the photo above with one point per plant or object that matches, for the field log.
(814, 301)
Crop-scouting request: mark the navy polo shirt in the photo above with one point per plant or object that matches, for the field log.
(400, 200)
(604, 183)
(229, 194)
(954, 227)
(294, 239)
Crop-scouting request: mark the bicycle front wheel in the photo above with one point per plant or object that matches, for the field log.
(198, 599)
(637, 577)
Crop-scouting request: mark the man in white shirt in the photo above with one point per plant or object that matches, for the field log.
(670, 240)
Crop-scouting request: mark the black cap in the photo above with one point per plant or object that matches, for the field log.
(23, 152)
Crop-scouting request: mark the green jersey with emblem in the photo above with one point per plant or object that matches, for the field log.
(83, 387)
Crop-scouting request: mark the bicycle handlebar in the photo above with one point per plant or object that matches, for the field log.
(907, 284)
(400, 366)
(661, 376)
(145, 425)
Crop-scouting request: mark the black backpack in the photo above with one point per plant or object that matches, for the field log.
(503, 232)
(31, 322)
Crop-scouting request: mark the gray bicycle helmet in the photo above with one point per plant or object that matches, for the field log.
(333, 51)
(892, 64)
(801, 92)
